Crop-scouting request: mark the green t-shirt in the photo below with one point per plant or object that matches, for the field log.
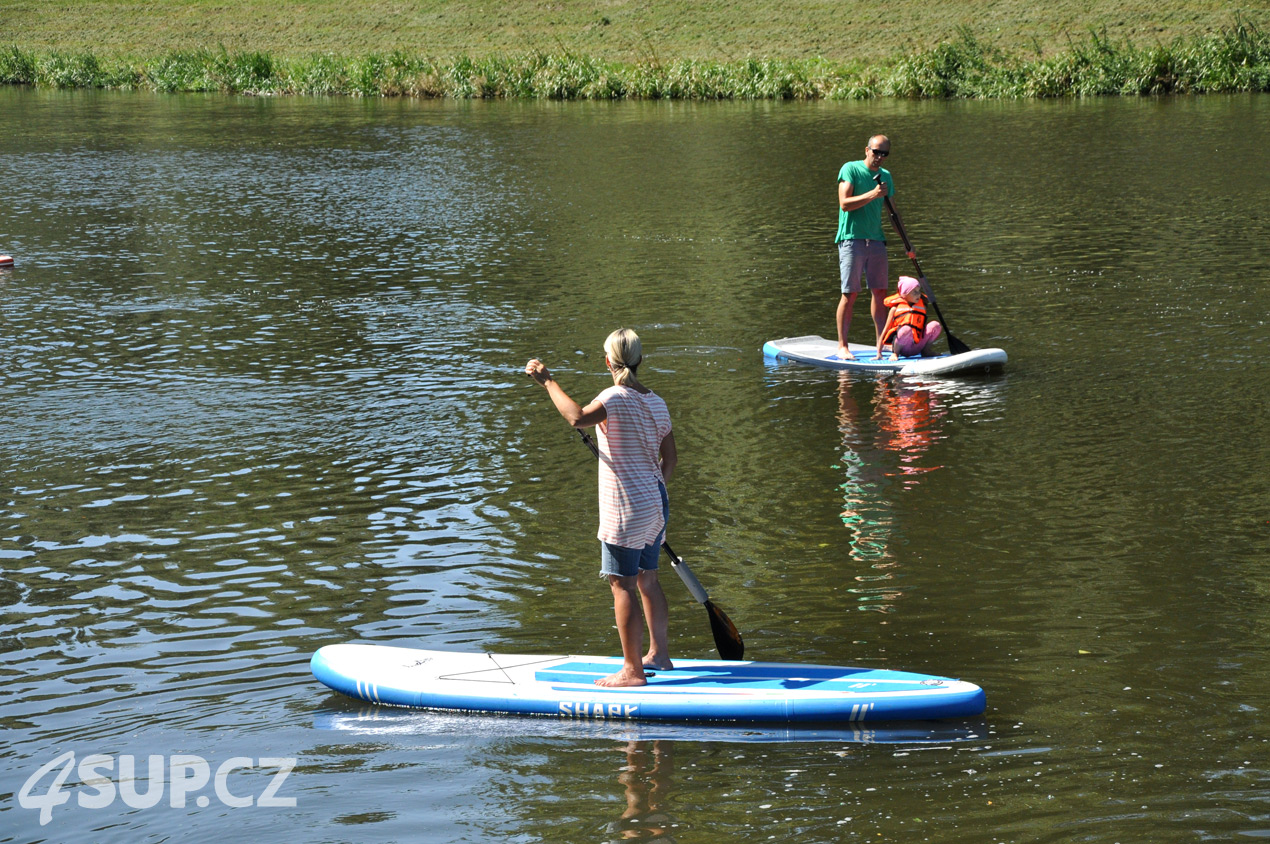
(863, 223)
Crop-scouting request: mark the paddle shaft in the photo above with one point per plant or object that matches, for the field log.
(956, 346)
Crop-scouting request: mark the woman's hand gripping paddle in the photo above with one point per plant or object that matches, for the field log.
(954, 345)
(726, 637)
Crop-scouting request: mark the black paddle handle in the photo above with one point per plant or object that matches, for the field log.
(590, 443)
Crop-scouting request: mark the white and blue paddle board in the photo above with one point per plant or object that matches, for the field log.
(695, 690)
(818, 351)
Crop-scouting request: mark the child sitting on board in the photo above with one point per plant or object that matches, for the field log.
(907, 330)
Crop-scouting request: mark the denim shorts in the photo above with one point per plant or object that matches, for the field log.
(628, 562)
(862, 260)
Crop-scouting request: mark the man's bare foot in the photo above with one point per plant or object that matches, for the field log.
(844, 353)
(625, 677)
(652, 663)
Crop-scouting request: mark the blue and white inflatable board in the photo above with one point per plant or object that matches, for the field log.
(818, 351)
(696, 690)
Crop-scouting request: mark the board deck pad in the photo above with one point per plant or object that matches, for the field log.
(817, 351)
(695, 690)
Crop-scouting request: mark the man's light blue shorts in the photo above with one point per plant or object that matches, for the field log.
(862, 259)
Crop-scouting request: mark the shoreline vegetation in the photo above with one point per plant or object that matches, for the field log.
(1235, 59)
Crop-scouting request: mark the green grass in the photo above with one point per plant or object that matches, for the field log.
(1234, 56)
(624, 31)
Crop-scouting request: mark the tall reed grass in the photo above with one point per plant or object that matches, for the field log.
(1236, 59)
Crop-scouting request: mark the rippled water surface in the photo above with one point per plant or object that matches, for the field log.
(259, 377)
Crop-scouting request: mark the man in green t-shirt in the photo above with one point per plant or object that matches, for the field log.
(861, 246)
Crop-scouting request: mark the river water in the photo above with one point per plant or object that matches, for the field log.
(260, 379)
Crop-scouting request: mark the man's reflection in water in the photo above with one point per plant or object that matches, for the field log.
(888, 443)
(647, 778)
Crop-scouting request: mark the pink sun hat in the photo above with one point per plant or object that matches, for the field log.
(908, 285)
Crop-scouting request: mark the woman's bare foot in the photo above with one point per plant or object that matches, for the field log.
(655, 663)
(625, 677)
(844, 353)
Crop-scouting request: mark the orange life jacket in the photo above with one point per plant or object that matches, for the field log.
(913, 315)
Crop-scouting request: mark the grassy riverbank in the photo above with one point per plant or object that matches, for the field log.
(622, 31)
(1233, 57)
(1237, 59)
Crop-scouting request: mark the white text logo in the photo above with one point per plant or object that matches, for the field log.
(181, 776)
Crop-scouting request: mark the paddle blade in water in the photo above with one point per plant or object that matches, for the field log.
(727, 639)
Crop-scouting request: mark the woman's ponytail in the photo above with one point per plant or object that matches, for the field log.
(625, 352)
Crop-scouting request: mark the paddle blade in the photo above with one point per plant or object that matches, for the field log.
(956, 346)
(727, 639)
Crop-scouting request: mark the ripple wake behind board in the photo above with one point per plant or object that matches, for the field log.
(818, 351)
(695, 690)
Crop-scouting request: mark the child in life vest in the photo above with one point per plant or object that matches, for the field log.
(907, 329)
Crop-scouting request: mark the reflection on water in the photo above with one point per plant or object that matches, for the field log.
(346, 715)
(884, 449)
(648, 782)
(908, 417)
(890, 428)
(630, 780)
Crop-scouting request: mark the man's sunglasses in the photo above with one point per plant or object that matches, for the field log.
(880, 153)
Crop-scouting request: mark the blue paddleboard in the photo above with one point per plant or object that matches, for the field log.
(696, 690)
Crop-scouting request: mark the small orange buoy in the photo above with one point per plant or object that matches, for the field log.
(6, 261)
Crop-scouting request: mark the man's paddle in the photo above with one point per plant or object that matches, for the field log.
(726, 637)
(954, 345)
